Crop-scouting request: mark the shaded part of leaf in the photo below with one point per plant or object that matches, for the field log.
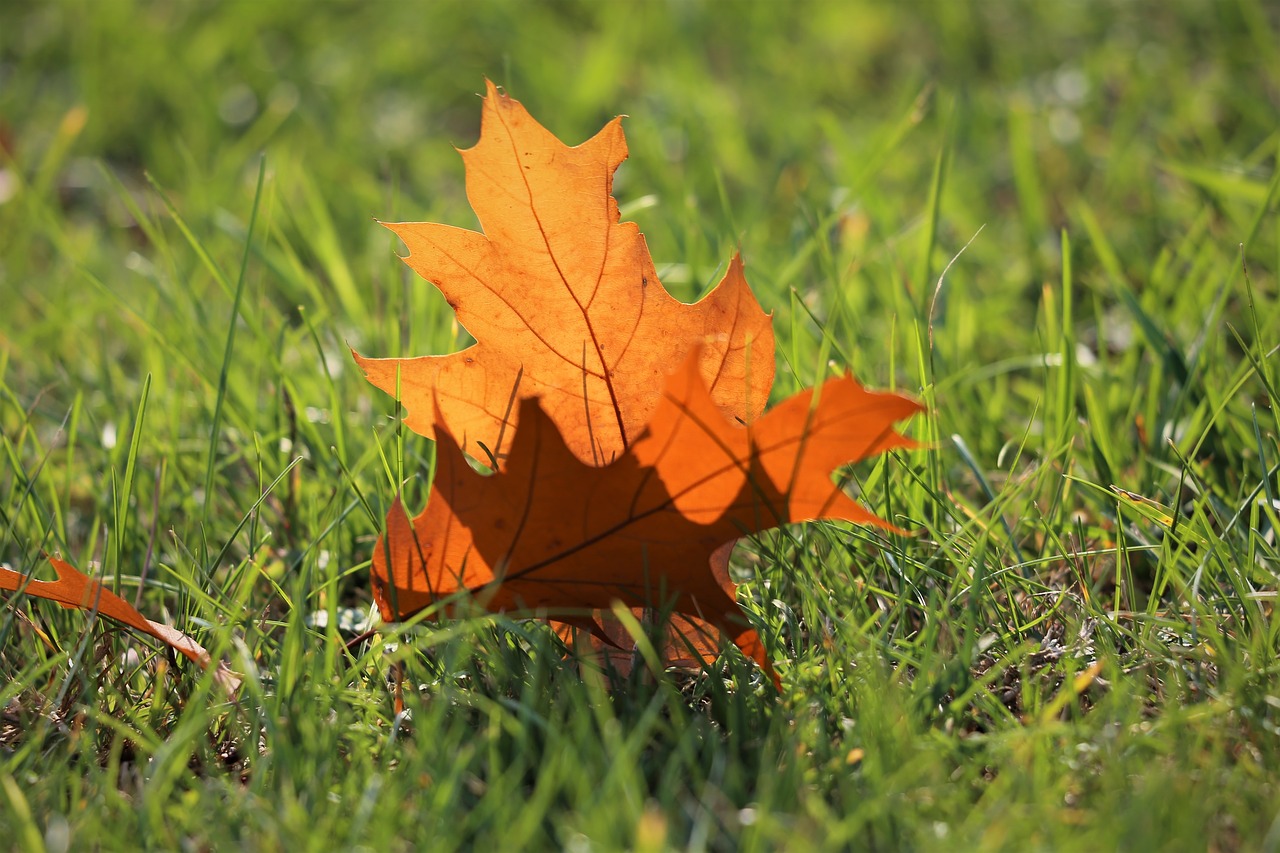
(550, 533)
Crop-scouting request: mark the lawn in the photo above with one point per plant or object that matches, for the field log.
(1053, 223)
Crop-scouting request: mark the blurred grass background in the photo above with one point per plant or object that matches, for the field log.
(851, 150)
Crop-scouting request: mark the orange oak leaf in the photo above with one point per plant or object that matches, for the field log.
(564, 303)
(78, 591)
(551, 533)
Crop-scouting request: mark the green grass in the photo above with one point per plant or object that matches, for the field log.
(1078, 651)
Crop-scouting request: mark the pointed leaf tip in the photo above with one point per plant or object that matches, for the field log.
(557, 290)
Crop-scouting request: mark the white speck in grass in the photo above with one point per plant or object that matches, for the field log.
(238, 105)
(109, 436)
(1085, 357)
(747, 816)
(1071, 85)
(140, 264)
(334, 361)
(1174, 431)
(352, 621)
(130, 661)
(8, 185)
(397, 119)
(1064, 126)
(286, 444)
(675, 274)
(628, 209)
(57, 834)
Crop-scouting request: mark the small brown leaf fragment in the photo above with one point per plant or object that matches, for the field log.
(77, 591)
